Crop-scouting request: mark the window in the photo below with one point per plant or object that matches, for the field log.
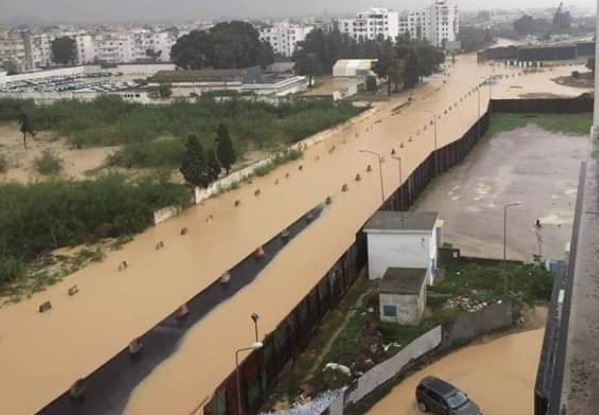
(389, 310)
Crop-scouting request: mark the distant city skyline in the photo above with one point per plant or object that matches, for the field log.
(117, 11)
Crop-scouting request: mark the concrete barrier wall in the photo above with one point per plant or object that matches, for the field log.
(469, 326)
(390, 368)
(165, 214)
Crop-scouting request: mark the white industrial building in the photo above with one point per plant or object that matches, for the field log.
(284, 37)
(351, 68)
(403, 240)
(371, 24)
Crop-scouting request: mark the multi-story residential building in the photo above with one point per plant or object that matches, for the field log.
(415, 24)
(86, 52)
(445, 22)
(284, 36)
(114, 47)
(438, 23)
(371, 24)
(13, 50)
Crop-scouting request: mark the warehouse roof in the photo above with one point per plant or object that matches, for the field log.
(207, 75)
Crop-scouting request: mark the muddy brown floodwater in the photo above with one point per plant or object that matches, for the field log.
(530, 165)
(41, 355)
(498, 375)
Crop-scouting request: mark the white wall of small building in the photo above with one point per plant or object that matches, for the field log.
(401, 250)
(408, 307)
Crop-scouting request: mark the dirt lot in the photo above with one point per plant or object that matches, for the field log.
(20, 160)
(530, 165)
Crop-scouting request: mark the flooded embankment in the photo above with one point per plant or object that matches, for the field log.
(41, 355)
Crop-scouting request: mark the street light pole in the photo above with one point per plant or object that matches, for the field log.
(400, 180)
(380, 159)
(254, 346)
(255, 317)
(505, 208)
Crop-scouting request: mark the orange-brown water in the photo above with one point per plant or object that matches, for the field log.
(498, 375)
(41, 355)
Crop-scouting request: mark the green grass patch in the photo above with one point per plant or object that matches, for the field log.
(48, 164)
(38, 218)
(575, 124)
(141, 129)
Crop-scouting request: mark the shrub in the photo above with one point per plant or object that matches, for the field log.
(48, 164)
(3, 163)
(575, 74)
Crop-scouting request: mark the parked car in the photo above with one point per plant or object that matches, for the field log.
(441, 398)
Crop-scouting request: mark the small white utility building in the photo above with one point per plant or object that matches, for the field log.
(402, 295)
(403, 240)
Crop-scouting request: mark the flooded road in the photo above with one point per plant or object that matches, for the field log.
(498, 375)
(530, 165)
(41, 355)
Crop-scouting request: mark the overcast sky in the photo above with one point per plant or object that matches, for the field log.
(97, 11)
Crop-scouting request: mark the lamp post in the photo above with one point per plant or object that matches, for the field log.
(505, 208)
(255, 346)
(398, 158)
(255, 317)
(380, 159)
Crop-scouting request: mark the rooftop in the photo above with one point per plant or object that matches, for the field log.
(402, 221)
(403, 280)
(202, 75)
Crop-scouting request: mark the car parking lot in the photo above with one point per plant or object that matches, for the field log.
(98, 82)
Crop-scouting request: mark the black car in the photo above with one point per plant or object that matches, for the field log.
(440, 398)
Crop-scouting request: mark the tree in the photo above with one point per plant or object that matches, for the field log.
(194, 165)
(224, 148)
(591, 64)
(26, 127)
(307, 64)
(237, 44)
(524, 25)
(64, 50)
(153, 55)
(213, 165)
(164, 90)
(10, 67)
(193, 51)
(392, 68)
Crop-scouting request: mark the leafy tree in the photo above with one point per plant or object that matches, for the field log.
(473, 38)
(224, 148)
(26, 127)
(308, 64)
(194, 166)
(153, 55)
(10, 67)
(213, 165)
(64, 50)
(237, 45)
(413, 68)
(227, 45)
(591, 64)
(164, 90)
(371, 83)
(562, 21)
(193, 51)
(390, 67)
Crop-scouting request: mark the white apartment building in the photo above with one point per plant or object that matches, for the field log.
(13, 52)
(415, 24)
(371, 24)
(445, 22)
(438, 23)
(284, 36)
